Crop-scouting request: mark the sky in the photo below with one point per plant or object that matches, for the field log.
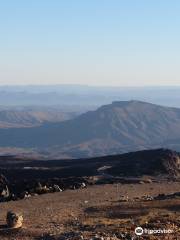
(95, 42)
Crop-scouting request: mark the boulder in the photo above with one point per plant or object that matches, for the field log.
(25, 194)
(14, 220)
(4, 192)
(4, 189)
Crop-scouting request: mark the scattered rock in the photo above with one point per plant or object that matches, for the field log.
(141, 182)
(124, 198)
(4, 193)
(147, 198)
(56, 188)
(4, 189)
(148, 180)
(83, 185)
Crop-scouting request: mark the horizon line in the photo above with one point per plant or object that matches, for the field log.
(87, 85)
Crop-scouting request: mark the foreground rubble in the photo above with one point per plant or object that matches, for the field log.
(97, 212)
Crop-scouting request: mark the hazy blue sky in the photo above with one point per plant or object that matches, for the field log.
(97, 42)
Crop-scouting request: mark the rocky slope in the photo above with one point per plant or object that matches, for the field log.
(26, 177)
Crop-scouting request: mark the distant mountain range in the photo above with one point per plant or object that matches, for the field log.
(111, 129)
(85, 96)
(16, 118)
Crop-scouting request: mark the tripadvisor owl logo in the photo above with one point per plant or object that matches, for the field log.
(139, 231)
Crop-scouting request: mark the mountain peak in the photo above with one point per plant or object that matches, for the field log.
(115, 128)
(130, 102)
(132, 105)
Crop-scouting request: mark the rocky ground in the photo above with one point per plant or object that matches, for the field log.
(102, 198)
(104, 212)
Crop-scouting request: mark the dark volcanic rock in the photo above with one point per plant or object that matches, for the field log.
(27, 178)
(159, 162)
